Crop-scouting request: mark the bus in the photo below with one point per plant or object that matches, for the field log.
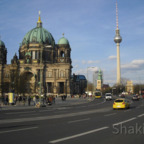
(98, 94)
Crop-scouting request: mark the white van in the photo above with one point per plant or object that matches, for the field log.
(108, 96)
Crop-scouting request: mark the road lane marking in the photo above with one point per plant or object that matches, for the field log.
(140, 115)
(110, 114)
(82, 106)
(46, 110)
(79, 120)
(30, 128)
(125, 121)
(63, 111)
(20, 112)
(78, 135)
(65, 115)
(29, 114)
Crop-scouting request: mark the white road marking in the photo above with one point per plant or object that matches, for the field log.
(140, 115)
(61, 111)
(4, 121)
(77, 135)
(110, 114)
(19, 112)
(46, 110)
(63, 108)
(125, 121)
(1, 132)
(29, 114)
(79, 120)
(82, 106)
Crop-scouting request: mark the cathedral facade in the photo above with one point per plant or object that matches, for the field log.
(42, 68)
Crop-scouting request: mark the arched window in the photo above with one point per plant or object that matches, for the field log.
(62, 54)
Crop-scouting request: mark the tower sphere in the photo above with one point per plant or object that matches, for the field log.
(117, 38)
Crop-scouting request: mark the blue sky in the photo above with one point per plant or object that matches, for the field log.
(89, 25)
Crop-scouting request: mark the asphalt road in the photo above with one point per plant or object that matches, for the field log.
(89, 123)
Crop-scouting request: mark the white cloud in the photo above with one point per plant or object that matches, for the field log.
(89, 62)
(92, 62)
(112, 57)
(134, 65)
(138, 62)
(76, 66)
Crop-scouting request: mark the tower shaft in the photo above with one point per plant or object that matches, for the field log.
(118, 65)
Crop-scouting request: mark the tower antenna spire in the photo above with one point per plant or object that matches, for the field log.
(117, 15)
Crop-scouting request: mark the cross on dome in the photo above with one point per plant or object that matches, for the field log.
(39, 22)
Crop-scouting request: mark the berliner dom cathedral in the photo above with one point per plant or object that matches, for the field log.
(42, 67)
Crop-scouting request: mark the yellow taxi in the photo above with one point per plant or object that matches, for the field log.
(121, 104)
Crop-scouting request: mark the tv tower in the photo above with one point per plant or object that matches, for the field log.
(118, 40)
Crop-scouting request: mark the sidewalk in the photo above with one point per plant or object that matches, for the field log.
(58, 102)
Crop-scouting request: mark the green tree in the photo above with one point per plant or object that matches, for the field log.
(24, 85)
(107, 90)
(90, 86)
(14, 78)
(138, 88)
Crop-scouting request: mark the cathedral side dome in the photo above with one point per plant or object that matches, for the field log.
(38, 35)
(3, 53)
(2, 43)
(63, 40)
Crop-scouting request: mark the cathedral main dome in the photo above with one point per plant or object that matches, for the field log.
(38, 35)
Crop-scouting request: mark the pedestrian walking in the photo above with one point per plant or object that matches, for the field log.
(34, 100)
(29, 100)
(20, 99)
(15, 99)
(24, 100)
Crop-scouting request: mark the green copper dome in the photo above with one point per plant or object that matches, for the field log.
(38, 35)
(63, 40)
(2, 43)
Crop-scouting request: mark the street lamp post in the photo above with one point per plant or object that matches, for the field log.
(41, 74)
(94, 80)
